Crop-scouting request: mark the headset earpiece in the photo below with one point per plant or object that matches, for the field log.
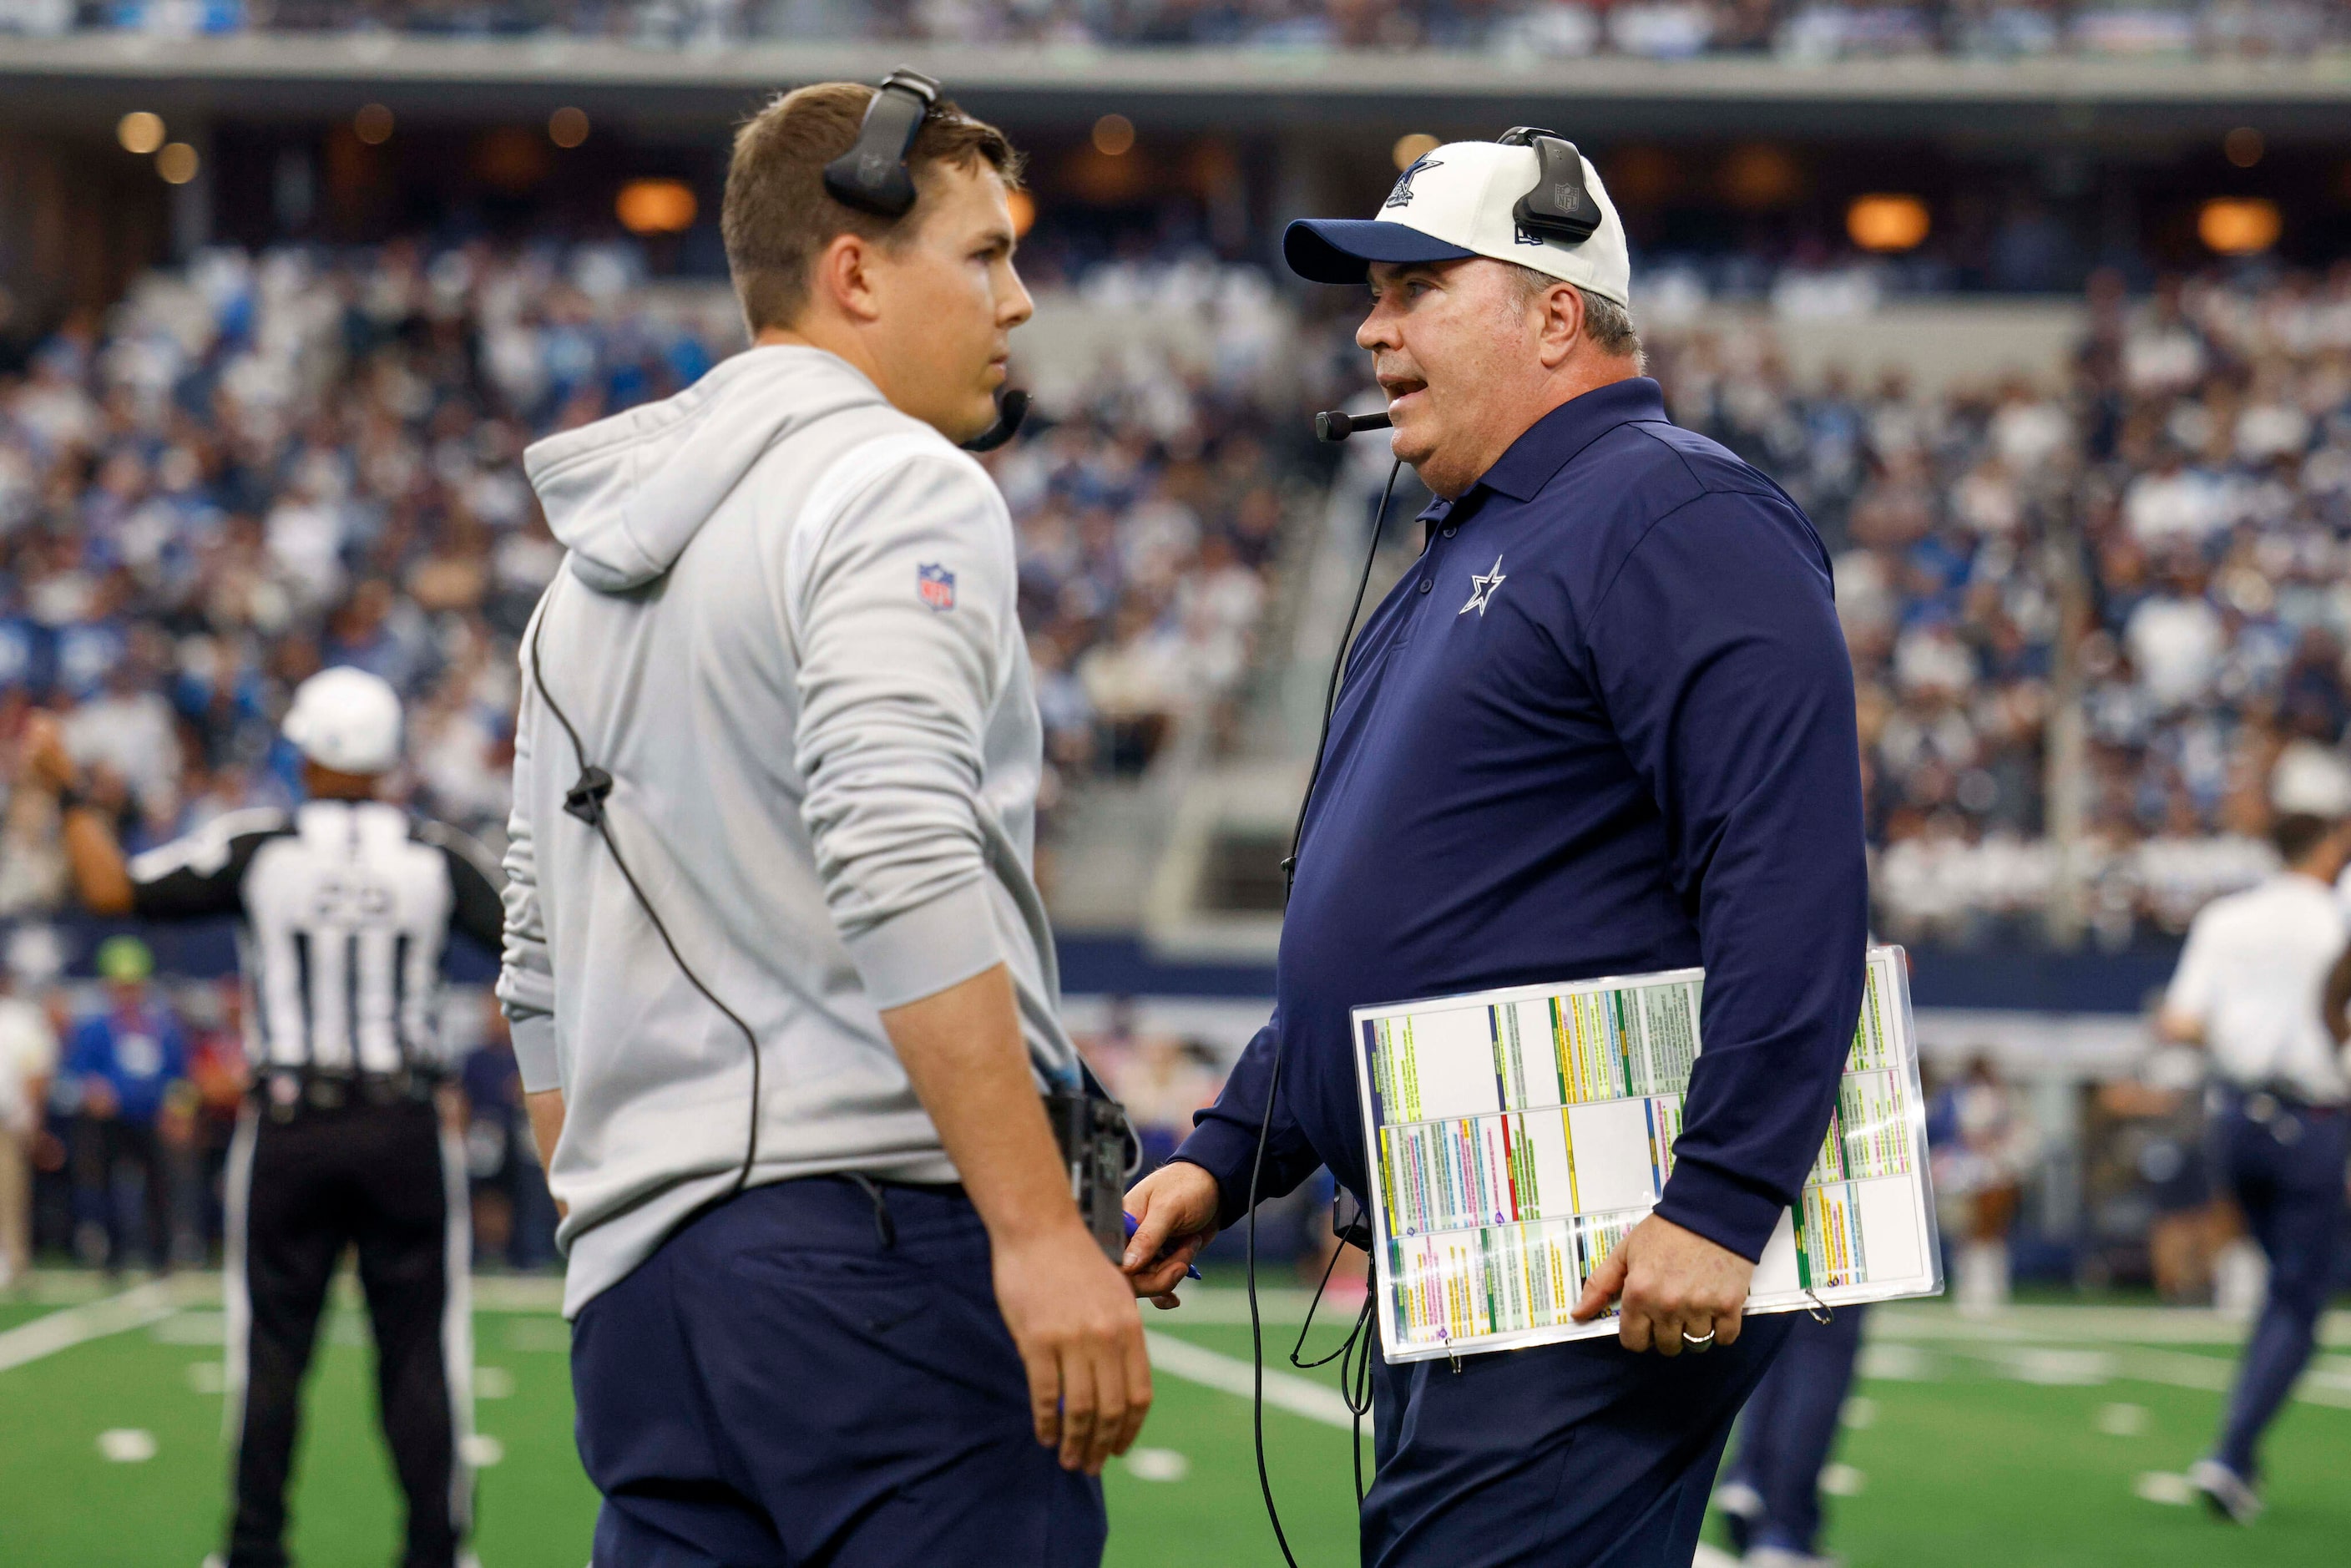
(1560, 205)
(873, 175)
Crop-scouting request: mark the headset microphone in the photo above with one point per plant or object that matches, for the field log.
(1338, 424)
(1010, 410)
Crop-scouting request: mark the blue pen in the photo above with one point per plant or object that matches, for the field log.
(1134, 1224)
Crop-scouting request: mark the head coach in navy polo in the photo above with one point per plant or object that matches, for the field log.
(1605, 726)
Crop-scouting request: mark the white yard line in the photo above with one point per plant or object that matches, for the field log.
(2050, 1323)
(1230, 1374)
(134, 1308)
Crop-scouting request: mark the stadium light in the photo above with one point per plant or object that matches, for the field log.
(2239, 225)
(568, 127)
(372, 124)
(1114, 135)
(2243, 147)
(655, 206)
(1411, 148)
(177, 162)
(1024, 210)
(1760, 176)
(1886, 224)
(140, 132)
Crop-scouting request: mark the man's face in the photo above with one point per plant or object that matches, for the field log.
(949, 300)
(1453, 344)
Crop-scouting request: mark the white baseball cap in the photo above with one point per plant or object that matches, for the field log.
(2311, 779)
(346, 719)
(1462, 200)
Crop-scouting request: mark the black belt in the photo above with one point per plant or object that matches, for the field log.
(283, 1094)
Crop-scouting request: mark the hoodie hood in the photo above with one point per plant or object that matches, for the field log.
(627, 494)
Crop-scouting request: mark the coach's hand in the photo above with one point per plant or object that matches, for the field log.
(1669, 1282)
(1072, 1319)
(1175, 1210)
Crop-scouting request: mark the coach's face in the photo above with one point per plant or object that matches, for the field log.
(946, 300)
(1456, 346)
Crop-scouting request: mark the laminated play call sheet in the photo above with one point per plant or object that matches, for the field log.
(1516, 1136)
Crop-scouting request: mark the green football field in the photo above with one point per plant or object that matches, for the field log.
(2054, 1435)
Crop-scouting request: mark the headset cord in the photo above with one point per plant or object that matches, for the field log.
(585, 800)
(1273, 1079)
(1353, 1357)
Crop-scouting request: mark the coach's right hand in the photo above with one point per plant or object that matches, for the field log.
(1073, 1319)
(1175, 1210)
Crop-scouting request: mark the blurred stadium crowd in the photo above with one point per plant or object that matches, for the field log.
(2182, 501)
(264, 464)
(1662, 29)
(2114, 600)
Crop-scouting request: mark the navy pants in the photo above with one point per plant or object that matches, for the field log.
(2287, 1174)
(1566, 1456)
(1790, 1424)
(792, 1381)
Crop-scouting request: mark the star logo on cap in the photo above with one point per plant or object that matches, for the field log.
(1401, 197)
(1481, 591)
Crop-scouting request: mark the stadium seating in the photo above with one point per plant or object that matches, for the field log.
(1799, 31)
(258, 463)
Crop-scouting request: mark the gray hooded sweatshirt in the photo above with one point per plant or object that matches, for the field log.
(788, 629)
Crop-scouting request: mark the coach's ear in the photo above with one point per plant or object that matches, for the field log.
(1559, 324)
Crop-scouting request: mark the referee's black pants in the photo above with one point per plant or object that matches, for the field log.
(385, 1179)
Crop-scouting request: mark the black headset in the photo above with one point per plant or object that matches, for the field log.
(872, 177)
(1560, 205)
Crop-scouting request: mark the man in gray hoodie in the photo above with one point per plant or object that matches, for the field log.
(782, 990)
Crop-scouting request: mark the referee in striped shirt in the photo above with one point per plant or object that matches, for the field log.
(344, 908)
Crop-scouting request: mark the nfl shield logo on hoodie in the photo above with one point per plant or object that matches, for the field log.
(936, 585)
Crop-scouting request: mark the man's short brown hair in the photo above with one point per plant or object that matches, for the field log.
(777, 215)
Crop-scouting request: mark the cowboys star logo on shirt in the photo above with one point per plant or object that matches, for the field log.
(936, 585)
(1401, 197)
(1481, 591)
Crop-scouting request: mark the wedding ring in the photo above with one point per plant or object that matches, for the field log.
(1697, 1343)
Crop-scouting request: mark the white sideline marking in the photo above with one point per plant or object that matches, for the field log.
(134, 1308)
(1713, 1557)
(1842, 1481)
(127, 1444)
(1157, 1465)
(1230, 1374)
(2122, 1420)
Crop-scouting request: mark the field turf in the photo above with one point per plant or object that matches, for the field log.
(2052, 1435)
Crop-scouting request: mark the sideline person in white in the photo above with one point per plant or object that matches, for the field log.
(2250, 989)
(28, 1055)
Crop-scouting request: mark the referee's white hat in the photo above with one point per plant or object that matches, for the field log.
(346, 719)
(1459, 201)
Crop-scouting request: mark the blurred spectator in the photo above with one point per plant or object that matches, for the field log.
(127, 1064)
(218, 1077)
(1160, 1078)
(28, 1055)
(1983, 1145)
(514, 1217)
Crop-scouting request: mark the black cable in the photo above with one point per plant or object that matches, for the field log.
(585, 800)
(1273, 1079)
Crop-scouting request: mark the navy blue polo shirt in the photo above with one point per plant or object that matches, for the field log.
(1605, 726)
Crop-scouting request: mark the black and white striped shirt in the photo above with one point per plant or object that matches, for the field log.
(344, 913)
